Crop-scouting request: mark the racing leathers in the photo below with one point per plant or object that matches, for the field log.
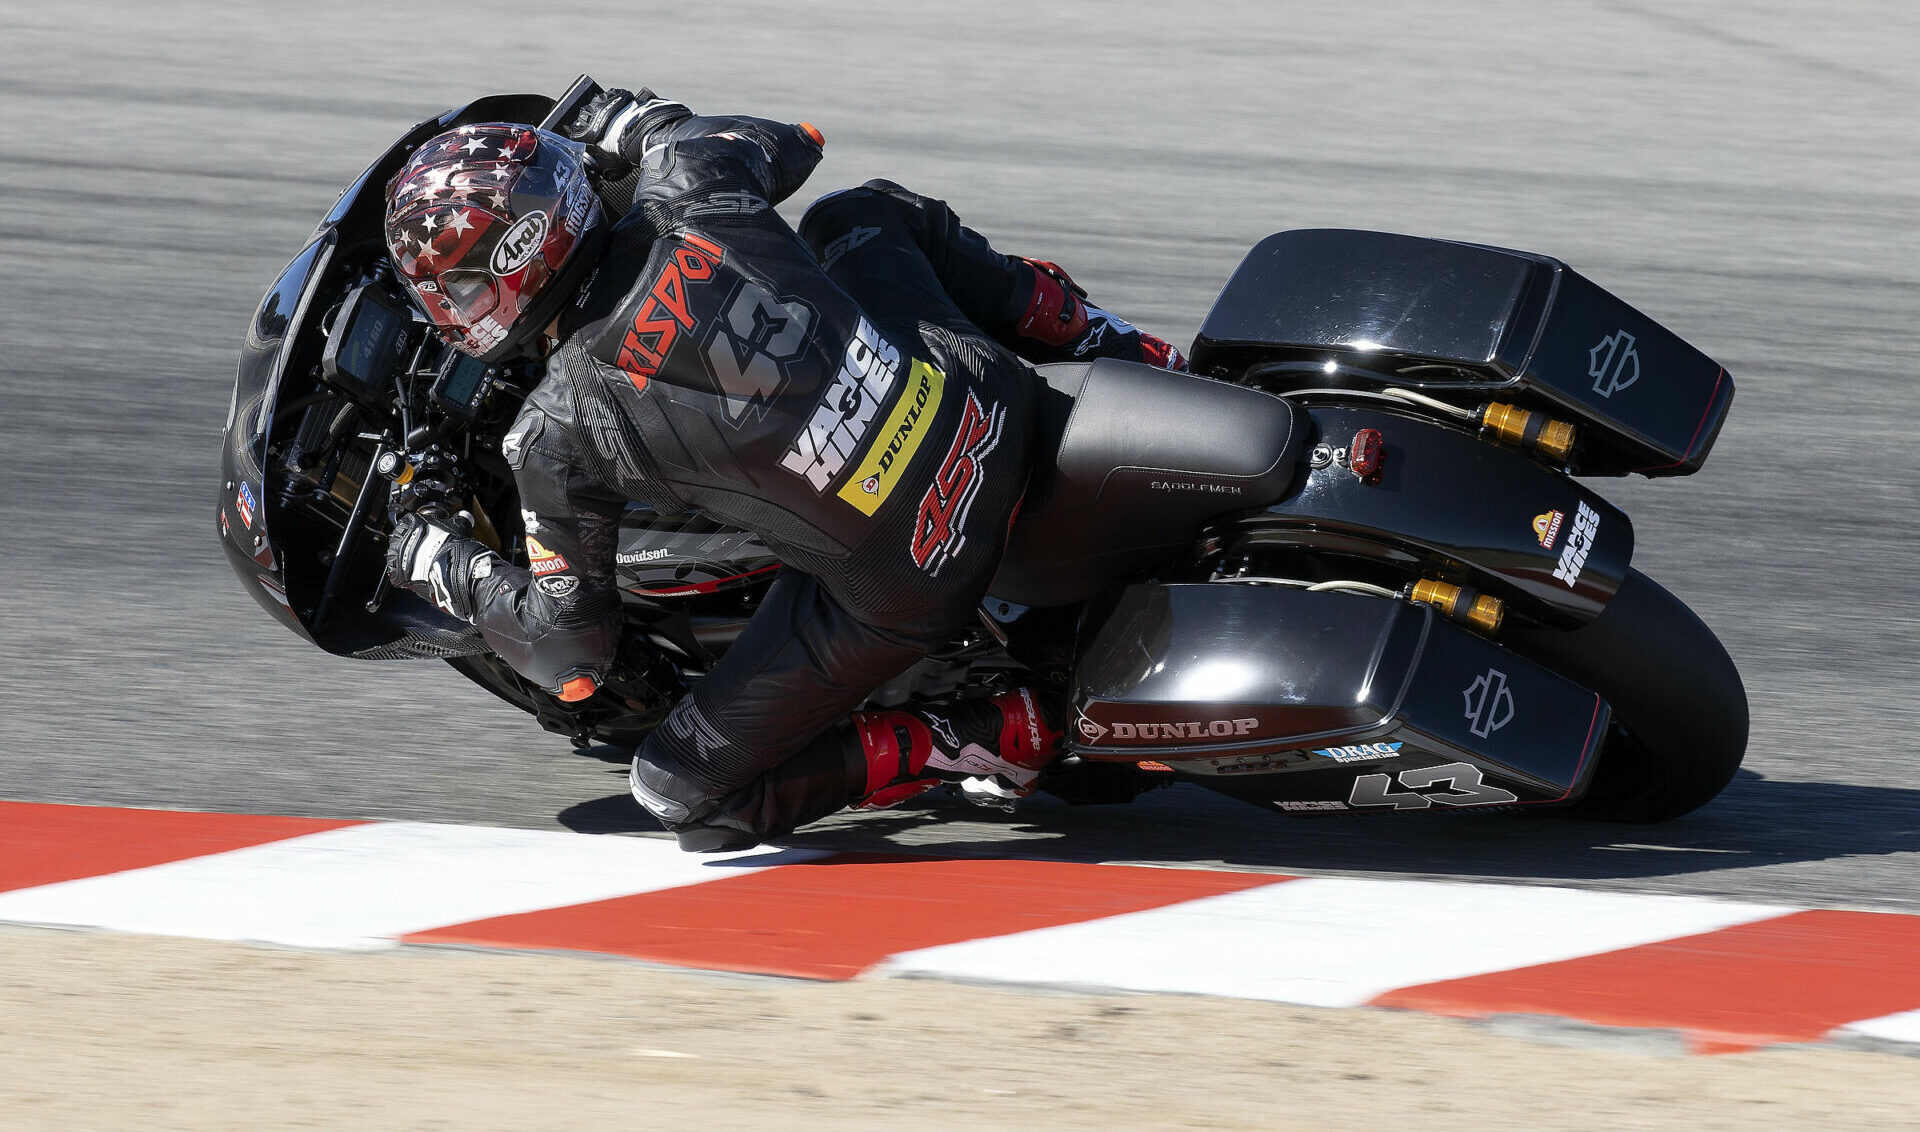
(847, 392)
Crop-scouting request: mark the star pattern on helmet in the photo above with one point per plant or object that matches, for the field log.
(474, 145)
(458, 223)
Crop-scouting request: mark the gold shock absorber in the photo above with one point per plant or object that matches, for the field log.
(1528, 429)
(1480, 612)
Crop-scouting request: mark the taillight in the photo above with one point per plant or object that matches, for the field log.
(1364, 454)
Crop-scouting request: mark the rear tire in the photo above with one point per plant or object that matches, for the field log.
(1679, 708)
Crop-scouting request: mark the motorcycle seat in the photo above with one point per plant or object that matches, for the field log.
(1130, 462)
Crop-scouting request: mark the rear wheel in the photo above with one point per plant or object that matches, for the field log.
(1679, 708)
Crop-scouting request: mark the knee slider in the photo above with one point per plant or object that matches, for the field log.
(714, 839)
(676, 799)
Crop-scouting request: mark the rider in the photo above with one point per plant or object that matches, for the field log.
(850, 393)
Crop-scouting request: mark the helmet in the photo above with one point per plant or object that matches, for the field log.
(492, 226)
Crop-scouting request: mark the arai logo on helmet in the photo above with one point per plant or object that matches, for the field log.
(519, 243)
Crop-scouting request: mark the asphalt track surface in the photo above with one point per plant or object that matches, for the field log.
(1744, 172)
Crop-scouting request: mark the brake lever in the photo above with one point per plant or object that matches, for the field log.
(416, 463)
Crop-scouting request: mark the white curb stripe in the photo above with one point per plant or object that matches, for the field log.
(1329, 942)
(1903, 1027)
(361, 886)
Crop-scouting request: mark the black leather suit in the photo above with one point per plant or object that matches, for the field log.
(844, 392)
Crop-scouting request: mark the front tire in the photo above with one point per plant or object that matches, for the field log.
(1679, 708)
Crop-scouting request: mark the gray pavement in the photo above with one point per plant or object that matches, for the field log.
(1746, 172)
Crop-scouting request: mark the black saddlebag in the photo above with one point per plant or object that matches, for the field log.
(1318, 687)
(1469, 324)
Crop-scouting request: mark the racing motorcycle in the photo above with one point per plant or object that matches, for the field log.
(1350, 564)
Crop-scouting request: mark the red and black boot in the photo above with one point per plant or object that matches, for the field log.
(1054, 323)
(993, 749)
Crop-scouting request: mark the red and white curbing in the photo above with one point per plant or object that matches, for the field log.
(1728, 976)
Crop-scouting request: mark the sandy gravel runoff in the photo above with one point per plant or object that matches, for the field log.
(100, 1032)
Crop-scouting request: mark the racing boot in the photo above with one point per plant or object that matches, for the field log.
(993, 749)
(1053, 322)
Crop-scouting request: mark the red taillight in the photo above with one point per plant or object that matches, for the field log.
(1363, 455)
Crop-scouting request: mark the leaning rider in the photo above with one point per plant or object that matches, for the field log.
(851, 394)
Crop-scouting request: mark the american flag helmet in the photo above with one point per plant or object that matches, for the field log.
(489, 225)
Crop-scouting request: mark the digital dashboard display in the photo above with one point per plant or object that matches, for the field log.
(370, 341)
(462, 379)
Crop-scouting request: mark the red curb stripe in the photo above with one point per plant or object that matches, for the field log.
(46, 844)
(839, 916)
(1788, 979)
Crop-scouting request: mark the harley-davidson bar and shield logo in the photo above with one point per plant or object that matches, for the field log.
(1489, 703)
(1613, 364)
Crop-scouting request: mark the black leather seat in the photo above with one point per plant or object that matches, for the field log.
(1130, 462)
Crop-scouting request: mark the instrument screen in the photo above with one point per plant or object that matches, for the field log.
(462, 383)
(369, 343)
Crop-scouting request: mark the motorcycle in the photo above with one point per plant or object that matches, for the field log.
(1346, 565)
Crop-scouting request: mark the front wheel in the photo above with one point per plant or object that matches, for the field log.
(1679, 707)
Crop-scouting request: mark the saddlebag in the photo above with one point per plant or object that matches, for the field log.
(1304, 691)
(1469, 324)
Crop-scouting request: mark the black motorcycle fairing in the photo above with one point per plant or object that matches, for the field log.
(282, 553)
(1306, 691)
(242, 507)
(1130, 462)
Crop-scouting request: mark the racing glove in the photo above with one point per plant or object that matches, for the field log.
(439, 559)
(613, 121)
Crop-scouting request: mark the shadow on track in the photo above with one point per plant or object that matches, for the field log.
(1757, 822)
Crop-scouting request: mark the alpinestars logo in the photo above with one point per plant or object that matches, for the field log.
(442, 596)
(1613, 364)
(1489, 704)
(940, 532)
